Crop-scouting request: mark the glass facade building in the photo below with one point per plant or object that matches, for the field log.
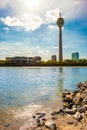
(75, 56)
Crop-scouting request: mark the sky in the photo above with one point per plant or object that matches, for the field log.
(28, 28)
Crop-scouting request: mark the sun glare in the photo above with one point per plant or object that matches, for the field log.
(30, 3)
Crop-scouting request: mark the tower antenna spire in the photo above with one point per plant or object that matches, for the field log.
(60, 14)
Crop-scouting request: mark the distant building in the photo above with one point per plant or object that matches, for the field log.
(20, 60)
(53, 58)
(30, 60)
(9, 59)
(75, 56)
(37, 59)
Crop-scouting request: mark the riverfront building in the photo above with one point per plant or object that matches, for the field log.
(23, 60)
(37, 59)
(9, 59)
(20, 60)
(75, 56)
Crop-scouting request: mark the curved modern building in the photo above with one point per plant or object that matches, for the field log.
(75, 56)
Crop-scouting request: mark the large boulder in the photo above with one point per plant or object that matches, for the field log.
(81, 109)
(68, 98)
(84, 93)
(50, 124)
(70, 111)
(85, 100)
(78, 116)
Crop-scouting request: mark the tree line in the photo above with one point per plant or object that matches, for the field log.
(80, 62)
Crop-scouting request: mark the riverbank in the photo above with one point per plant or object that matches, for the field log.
(73, 114)
(67, 115)
(50, 65)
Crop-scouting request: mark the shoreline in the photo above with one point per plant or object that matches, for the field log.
(72, 115)
(44, 66)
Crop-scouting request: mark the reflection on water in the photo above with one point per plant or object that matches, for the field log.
(60, 80)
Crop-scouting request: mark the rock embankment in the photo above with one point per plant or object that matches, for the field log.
(73, 114)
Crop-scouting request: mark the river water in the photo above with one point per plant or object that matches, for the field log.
(32, 87)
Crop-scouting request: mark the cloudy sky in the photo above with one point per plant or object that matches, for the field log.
(28, 28)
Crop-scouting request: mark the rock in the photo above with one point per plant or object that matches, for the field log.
(85, 106)
(68, 98)
(54, 116)
(69, 119)
(83, 115)
(66, 104)
(34, 117)
(42, 123)
(44, 119)
(85, 85)
(51, 125)
(6, 125)
(55, 112)
(39, 129)
(69, 111)
(85, 100)
(81, 109)
(74, 106)
(84, 94)
(86, 113)
(85, 120)
(67, 92)
(78, 116)
(40, 115)
(63, 95)
(70, 122)
(38, 120)
(69, 105)
(78, 95)
(61, 110)
(38, 124)
(76, 101)
(79, 85)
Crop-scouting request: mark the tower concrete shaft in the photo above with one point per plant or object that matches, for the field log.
(60, 23)
(60, 45)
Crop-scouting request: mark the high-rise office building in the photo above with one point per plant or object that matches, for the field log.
(53, 58)
(75, 56)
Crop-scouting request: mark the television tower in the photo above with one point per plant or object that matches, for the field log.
(60, 23)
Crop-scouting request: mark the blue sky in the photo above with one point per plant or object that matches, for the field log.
(28, 28)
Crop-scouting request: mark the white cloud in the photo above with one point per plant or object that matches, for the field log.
(3, 3)
(55, 47)
(31, 22)
(4, 47)
(30, 15)
(52, 27)
(11, 21)
(47, 51)
(6, 29)
(71, 8)
(38, 47)
(28, 22)
(52, 15)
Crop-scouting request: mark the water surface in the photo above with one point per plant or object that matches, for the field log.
(20, 86)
